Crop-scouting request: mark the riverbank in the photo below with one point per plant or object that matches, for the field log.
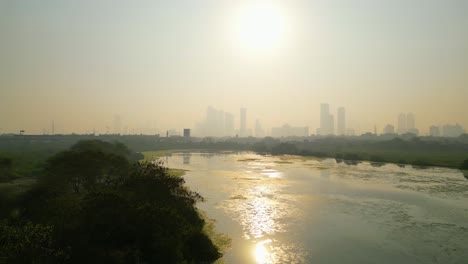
(377, 158)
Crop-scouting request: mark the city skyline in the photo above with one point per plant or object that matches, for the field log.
(218, 123)
(82, 63)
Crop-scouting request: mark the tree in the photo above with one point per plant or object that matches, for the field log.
(464, 165)
(29, 243)
(6, 169)
(105, 209)
(84, 170)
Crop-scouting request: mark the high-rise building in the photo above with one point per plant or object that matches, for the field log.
(324, 114)
(258, 129)
(327, 126)
(410, 123)
(402, 124)
(187, 132)
(341, 128)
(214, 125)
(389, 129)
(243, 122)
(452, 130)
(289, 131)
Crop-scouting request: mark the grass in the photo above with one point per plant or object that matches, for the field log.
(177, 172)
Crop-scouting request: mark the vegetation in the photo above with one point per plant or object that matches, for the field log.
(6, 169)
(464, 165)
(94, 203)
(427, 151)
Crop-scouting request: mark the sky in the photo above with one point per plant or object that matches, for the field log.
(160, 64)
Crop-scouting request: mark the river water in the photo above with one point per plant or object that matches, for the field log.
(303, 210)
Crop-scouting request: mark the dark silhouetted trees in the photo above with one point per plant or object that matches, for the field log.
(94, 204)
(464, 165)
(6, 169)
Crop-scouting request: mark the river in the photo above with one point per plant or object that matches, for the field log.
(288, 209)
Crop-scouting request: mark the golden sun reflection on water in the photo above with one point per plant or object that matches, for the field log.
(258, 202)
(262, 255)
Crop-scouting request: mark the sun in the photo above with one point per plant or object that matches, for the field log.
(260, 27)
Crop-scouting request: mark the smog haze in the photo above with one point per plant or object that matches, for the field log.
(158, 65)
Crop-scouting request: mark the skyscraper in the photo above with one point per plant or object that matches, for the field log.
(243, 122)
(410, 123)
(324, 113)
(452, 130)
(214, 125)
(327, 126)
(258, 129)
(341, 129)
(389, 129)
(402, 124)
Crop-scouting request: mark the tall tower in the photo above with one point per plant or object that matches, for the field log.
(341, 129)
(258, 129)
(327, 123)
(402, 124)
(324, 118)
(243, 122)
(410, 123)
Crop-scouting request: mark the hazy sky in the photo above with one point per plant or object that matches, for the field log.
(80, 63)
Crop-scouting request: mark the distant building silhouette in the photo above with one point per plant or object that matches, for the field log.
(214, 122)
(289, 131)
(258, 129)
(452, 130)
(187, 132)
(172, 133)
(407, 124)
(243, 122)
(389, 129)
(411, 124)
(402, 124)
(341, 125)
(326, 121)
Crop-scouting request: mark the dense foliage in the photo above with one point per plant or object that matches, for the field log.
(405, 149)
(6, 169)
(464, 165)
(94, 204)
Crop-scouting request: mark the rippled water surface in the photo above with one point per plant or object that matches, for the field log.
(305, 210)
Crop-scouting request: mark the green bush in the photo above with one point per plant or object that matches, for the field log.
(103, 208)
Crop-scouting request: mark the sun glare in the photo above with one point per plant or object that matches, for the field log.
(262, 256)
(260, 27)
